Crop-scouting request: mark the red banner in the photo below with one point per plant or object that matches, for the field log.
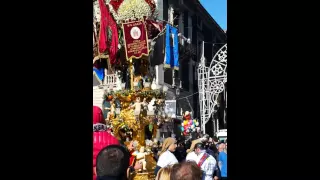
(135, 39)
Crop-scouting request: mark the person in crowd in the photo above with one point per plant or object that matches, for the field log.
(188, 170)
(214, 150)
(101, 138)
(191, 154)
(112, 163)
(155, 150)
(222, 161)
(204, 139)
(164, 173)
(205, 161)
(127, 144)
(208, 149)
(100, 141)
(166, 156)
(215, 141)
(180, 152)
(187, 143)
(97, 115)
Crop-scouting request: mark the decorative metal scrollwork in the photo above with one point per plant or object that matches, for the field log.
(218, 66)
(217, 70)
(217, 87)
(211, 83)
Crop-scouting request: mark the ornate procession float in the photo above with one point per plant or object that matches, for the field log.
(124, 84)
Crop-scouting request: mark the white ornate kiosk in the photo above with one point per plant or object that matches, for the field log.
(211, 83)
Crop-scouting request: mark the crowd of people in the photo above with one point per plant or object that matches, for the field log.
(200, 159)
(204, 158)
(208, 155)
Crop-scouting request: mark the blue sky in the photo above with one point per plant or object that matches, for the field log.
(218, 10)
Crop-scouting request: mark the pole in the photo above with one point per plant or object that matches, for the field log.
(131, 75)
(214, 126)
(203, 124)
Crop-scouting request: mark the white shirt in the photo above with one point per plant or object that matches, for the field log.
(208, 166)
(166, 158)
(191, 156)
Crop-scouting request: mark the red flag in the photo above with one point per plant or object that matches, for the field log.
(108, 25)
(113, 48)
(115, 4)
(103, 25)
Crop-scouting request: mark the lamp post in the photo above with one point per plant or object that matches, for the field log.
(178, 89)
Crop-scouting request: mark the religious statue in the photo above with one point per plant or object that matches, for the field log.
(148, 130)
(141, 158)
(118, 80)
(159, 109)
(146, 82)
(127, 79)
(151, 107)
(112, 111)
(137, 108)
(140, 84)
(145, 104)
(106, 109)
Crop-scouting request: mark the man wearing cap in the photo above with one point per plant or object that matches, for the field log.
(205, 161)
(190, 153)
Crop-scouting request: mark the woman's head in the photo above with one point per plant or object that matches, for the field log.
(185, 171)
(164, 173)
(169, 144)
(172, 147)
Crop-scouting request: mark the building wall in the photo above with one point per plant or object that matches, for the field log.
(97, 96)
(194, 23)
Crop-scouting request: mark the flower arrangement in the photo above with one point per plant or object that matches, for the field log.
(129, 94)
(133, 9)
(96, 11)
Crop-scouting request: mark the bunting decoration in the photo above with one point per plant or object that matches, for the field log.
(172, 49)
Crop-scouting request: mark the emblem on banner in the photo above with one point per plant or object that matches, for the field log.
(135, 33)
